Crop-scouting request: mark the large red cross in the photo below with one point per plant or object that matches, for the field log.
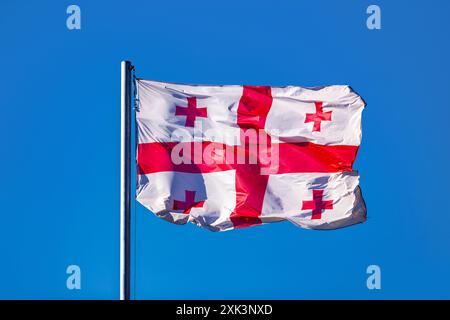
(317, 205)
(251, 185)
(191, 112)
(318, 117)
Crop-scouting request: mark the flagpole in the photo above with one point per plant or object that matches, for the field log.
(125, 180)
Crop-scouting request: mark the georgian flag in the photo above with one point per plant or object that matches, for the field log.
(225, 157)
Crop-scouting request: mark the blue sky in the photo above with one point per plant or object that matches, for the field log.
(59, 131)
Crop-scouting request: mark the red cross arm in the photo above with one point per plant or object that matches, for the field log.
(310, 157)
(299, 157)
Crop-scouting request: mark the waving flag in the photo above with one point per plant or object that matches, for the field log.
(225, 157)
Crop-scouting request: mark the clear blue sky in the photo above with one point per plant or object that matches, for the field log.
(59, 132)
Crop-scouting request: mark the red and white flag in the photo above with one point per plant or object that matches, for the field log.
(226, 157)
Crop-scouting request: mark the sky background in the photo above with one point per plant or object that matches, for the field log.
(60, 147)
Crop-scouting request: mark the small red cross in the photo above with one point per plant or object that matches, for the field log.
(318, 117)
(191, 112)
(317, 205)
(188, 203)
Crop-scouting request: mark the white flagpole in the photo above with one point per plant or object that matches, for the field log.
(125, 180)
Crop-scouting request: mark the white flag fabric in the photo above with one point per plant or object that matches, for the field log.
(226, 157)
